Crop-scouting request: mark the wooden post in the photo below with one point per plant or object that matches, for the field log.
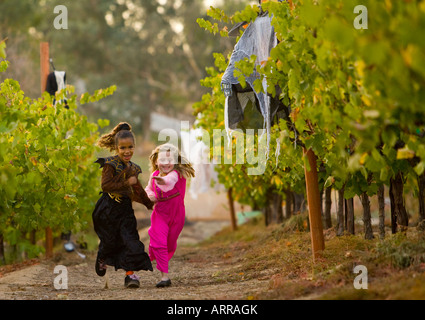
(44, 72)
(44, 65)
(313, 200)
(232, 209)
(49, 242)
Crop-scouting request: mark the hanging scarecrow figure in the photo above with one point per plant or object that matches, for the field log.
(259, 39)
(244, 107)
(56, 81)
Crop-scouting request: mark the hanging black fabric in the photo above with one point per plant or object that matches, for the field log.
(51, 86)
(56, 81)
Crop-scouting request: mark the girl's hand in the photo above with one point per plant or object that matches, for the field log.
(159, 180)
(153, 199)
(132, 180)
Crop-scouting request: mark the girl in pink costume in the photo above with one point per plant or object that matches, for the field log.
(166, 188)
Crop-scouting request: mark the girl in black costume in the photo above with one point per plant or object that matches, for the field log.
(113, 216)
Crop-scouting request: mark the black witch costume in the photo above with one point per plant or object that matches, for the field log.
(114, 220)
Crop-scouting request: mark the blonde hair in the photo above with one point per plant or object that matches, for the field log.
(110, 140)
(182, 165)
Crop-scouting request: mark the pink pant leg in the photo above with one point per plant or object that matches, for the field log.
(163, 237)
(161, 258)
(173, 234)
(158, 234)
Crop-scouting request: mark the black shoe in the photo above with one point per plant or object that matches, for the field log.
(163, 283)
(132, 281)
(100, 267)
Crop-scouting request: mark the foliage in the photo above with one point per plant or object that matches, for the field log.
(355, 94)
(46, 163)
(249, 189)
(152, 50)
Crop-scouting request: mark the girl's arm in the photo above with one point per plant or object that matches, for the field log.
(167, 182)
(140, 195)
(111, 183)
(149, 191)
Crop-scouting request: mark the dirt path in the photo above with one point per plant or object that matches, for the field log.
(195, 275)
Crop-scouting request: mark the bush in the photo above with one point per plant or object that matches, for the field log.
(46, 164)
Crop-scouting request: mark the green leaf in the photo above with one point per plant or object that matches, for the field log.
(37, 208)
(420, 168)
(3, 49)
(3, 66)
(329, 181)
(103, 122)
(383, 176)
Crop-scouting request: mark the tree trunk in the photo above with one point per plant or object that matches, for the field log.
(345, 214)
(33, 237)
(350, 216)
(381, 203)
(266, 214)
(340, 213)
(328, 206)
(400, 213)
(393, 216)
(273, 211)
(232, 209)
(288, 206)
(299, 205)
(2, 257)
(421, 184)
(278, 207)
(368, 232)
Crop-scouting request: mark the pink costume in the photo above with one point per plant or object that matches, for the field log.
(167, 218)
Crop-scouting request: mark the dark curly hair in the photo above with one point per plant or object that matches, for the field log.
(110, 140)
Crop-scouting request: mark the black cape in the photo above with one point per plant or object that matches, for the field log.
(116, 227)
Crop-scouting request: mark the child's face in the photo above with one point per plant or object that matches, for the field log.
(165, 162)
(125, 149)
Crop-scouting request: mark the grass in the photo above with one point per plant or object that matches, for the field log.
(282, 255)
